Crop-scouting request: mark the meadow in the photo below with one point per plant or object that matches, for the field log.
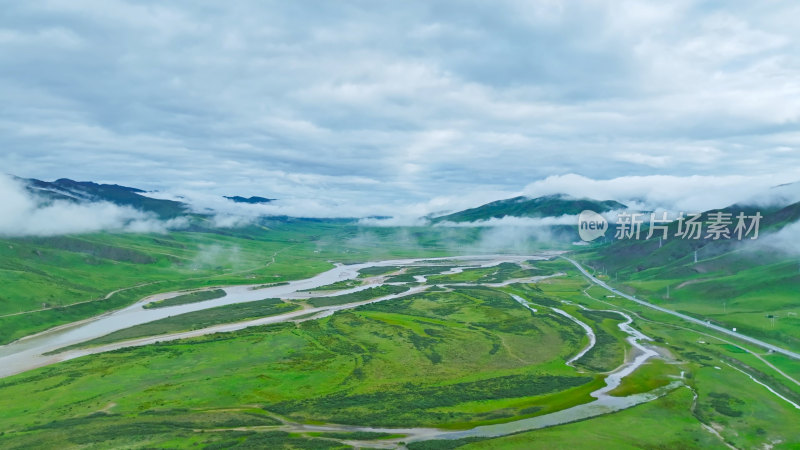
(451, 359)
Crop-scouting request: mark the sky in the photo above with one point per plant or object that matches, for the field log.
(353, 108)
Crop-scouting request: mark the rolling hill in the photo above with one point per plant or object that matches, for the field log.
(547, 206)
(750, 284)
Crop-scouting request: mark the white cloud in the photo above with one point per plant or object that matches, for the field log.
(677, 193)
(515, 222)
(348, 110)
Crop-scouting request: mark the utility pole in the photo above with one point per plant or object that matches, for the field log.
(695, 256)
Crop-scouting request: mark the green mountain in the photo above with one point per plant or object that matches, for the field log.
(548, 206)
(637, 255)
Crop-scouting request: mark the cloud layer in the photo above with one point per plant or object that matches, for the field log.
(360, 108)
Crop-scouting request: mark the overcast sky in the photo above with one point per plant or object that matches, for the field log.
(373, 107)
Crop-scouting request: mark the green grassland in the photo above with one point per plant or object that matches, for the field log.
(746, 414)
(358, 296)
(664, 423)
(74, 282)
(192, 297)
(407, 274)
(376, 271)
(499, 273)
(448, 358)
(339, 285)
(742, 287)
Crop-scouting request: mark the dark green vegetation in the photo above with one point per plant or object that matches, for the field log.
(169, 429)
(337, 286)
(378, 270)
(665, 423)
(548, 206)
(193, 297)
(605, 355)
(358, 435)
(195, 320)
(416, 398)
(407, 274)
(366, 294)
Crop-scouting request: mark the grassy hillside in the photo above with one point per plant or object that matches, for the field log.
(736, 284)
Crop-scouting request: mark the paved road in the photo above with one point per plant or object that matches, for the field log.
(741, 336)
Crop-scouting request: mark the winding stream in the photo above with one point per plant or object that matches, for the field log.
(604, 403)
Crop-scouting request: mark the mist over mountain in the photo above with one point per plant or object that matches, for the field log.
(548, 206)
(88, 192)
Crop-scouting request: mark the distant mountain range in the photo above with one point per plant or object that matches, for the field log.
(557, 205)
(547, 206)
(87, 191)
(250, 200)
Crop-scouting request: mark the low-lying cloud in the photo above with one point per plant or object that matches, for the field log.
(670, 192)
(516, 222)
(782, 242)
(25, 214)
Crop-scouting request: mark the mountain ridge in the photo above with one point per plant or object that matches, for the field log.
(521, 206)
